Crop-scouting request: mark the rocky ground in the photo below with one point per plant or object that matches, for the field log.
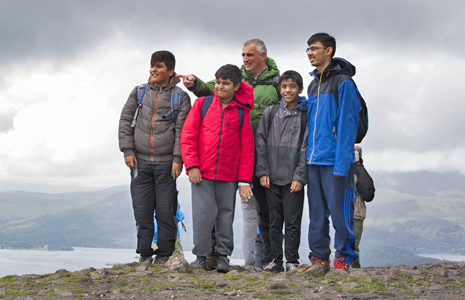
(175, 280)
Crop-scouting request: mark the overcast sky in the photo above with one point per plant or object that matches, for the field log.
(67, 68)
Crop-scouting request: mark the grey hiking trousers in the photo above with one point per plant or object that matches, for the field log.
(213, 204)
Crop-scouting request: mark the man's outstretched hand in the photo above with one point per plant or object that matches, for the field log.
(187, 80)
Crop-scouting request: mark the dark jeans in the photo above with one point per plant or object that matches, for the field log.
(154, 188)
(285, 207)
(263, 218)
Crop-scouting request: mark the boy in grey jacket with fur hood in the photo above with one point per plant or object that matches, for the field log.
(149, 136)
(281, 146)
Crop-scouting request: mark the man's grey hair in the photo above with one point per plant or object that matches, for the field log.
(261, 48)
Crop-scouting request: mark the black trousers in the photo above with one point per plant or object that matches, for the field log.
(263, 218)
(154, 188)
(285, 207)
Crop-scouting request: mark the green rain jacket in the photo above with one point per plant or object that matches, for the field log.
(264, 95)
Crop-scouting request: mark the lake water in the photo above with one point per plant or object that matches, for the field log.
(20, 262)
(449, 257)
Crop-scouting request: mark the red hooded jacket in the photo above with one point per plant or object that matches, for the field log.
(216, 145)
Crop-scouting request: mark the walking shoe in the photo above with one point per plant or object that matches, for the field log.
(212, 261)
(143, 258)
(200, 263)
(273, 267)
(160, 260)
(291, 266)
(223, 264)
(340, 264)
(319, 266)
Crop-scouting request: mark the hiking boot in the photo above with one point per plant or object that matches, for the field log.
(143, 258)
(223, 264)
(273, 267)
(212, 261)
(340, 264)
(291, 266)
(160, 260)
(319, 267)
(200, 263)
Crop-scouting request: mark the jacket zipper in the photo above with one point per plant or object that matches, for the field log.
(219, 143)
(152, 125)
(334, 131)
(314, 122)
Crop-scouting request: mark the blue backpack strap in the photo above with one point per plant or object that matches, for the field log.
(175, 100)
(207, 101)
(140, 97)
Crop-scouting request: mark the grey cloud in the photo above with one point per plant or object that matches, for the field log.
(60, 29)
(6, 122)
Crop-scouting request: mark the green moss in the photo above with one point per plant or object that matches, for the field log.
(8, 279)
(207, 287)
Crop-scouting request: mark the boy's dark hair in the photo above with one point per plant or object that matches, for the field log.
(165, 57)
(231, 72)
(291, 74)
(325, 39)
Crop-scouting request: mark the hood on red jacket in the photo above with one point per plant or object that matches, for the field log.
(243, 97)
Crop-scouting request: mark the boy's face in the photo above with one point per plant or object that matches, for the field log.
(225, 88)
(159, 74)
(290, 90)
(318, 55)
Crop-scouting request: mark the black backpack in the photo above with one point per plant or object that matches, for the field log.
(365, 185)
(363, 117)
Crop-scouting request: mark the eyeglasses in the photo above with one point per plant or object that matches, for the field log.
(313, 49)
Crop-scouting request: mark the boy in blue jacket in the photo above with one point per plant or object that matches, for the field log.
(332, 127)
(281, 146)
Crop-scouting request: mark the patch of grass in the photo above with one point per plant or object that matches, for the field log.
(8, 279)
(208, 287)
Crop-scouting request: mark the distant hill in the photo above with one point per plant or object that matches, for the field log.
(420, 212)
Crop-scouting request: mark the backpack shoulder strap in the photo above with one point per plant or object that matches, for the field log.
(303, 123)
(274, 82)
(141, 89)
(175, 100)
(335, 89)
(274, 110)
(240, 111)
(207, 101)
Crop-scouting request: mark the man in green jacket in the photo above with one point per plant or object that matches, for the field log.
(262, 73)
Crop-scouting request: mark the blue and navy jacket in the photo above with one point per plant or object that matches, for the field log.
(332, 125)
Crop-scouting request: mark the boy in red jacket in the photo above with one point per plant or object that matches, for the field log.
(217, 148)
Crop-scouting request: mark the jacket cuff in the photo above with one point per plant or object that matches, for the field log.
(128, 152)
(338, 174)
(177, 159)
